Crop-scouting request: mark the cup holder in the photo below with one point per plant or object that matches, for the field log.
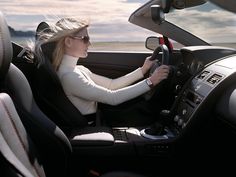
(165, 134)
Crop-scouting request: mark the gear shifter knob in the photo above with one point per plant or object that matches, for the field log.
(164, 118)
(155, 130)
(158, 129)
(165, 112)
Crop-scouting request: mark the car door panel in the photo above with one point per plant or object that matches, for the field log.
(113, 64)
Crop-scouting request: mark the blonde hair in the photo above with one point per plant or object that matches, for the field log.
(58, 54)
(57, 33)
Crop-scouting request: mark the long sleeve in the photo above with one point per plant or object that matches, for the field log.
(85, 89)
(117, 83)
(77, 84)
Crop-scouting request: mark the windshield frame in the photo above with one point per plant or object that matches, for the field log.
(142, 17)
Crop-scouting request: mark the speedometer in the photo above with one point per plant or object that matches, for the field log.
(195, 66)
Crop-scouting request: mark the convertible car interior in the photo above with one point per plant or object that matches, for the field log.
(187, 123)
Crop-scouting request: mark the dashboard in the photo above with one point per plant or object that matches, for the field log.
(213, 71)
(196, 58)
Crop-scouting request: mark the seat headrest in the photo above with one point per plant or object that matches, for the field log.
(43, 27)
(47, 47)
(6, 51)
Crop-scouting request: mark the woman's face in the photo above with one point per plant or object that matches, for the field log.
(77, 45)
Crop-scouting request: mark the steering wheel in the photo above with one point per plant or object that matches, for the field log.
(164, 61)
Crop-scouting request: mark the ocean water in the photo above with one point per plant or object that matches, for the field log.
(114, 46)
(22, 40)
(96, 46)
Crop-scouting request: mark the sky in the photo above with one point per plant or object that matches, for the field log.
(109, 18)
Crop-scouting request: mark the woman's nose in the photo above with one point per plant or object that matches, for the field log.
(89, 43)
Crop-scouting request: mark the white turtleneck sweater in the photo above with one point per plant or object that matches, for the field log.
(84, 88)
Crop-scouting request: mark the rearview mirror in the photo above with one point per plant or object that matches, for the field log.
(157, 14)
(181, 4)
(165, 5)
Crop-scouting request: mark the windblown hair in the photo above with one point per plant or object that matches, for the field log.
(57, 33)
(58, 54)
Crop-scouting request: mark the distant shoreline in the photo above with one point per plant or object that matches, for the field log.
(114, 45)
(15, 33)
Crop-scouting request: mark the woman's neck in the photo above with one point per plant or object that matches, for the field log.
(69, 60)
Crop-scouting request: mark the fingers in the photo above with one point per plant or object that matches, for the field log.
(147, 65)
(147, 60)
(163, 76)
(162, 72)
(148, 57)
(163, 69)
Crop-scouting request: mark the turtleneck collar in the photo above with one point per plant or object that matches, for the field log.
(69, 61)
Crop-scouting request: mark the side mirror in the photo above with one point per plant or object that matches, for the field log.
(152, 42)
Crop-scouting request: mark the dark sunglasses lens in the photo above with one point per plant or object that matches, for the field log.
(86, 39)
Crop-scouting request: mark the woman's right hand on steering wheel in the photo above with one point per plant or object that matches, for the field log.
(159, 74)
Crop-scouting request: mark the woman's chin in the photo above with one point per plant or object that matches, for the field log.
(85, 55)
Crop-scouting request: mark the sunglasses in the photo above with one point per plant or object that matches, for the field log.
(85, 39)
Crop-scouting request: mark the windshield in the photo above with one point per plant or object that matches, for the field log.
(209, 22)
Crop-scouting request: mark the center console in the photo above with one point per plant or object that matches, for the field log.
(122, 141)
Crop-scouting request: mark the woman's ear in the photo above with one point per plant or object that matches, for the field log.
(68, 42)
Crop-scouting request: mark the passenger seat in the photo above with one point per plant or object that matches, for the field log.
(18, 154)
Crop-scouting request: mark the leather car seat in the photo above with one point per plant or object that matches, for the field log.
(52, 99)
(18, 154)
(31, 145)
(48, 91)
(54, 147)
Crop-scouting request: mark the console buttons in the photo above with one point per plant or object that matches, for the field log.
(180, 122)
(176, 118)
(198, 101)
(215, 78)
(203, 75)
(184, 111)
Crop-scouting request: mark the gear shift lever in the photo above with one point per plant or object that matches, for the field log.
(155, 130)
(159, 127)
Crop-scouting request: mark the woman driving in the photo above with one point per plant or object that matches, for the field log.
(83, 87)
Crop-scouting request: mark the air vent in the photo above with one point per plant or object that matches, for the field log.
(203, 74)
(215, 78)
